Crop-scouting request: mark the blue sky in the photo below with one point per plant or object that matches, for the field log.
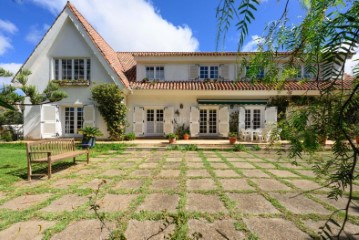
(131, 25)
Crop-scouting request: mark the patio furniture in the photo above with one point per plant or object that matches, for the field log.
(50, 151)
(244, 134)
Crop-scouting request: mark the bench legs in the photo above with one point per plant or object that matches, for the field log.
(74, 159)
(29, 171)
(49, 168)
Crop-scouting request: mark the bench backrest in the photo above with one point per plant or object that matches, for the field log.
(55, 146)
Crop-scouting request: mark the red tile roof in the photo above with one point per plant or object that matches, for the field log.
(228, 86)
(107, 52)
(195, 54)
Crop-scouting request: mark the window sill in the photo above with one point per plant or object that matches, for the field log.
(72, 82)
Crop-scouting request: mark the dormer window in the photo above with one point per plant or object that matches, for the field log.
(208, 72)
(72, 69)
(155, 72)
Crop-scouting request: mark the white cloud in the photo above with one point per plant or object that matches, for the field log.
(11, 67)
(351, 63)
(36, 33)
(7, 26)
(131, 25)
(252, 45)
(4, 44)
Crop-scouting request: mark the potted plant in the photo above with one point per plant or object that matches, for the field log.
(186, 134)
(89, 136)
(171, 138)
(232, 136)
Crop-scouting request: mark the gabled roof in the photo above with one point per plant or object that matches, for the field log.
(197, 54)
(107, 52)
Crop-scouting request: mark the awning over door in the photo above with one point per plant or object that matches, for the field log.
(233, 102)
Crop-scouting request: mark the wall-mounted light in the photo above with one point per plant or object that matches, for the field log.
(181, 106)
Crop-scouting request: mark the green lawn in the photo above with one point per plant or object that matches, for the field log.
(13, 163)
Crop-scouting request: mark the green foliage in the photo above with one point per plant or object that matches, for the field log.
(232, 134)
(6, 136)
(184, 147)
(112, 108)
(182, 130)
(89, 132)
(11, 117)
(256, 148)
(239, 148)
(53, 92)
(130, 136)
(171, 136)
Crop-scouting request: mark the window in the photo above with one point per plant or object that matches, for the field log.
(259, 71)
(73, 119)
(298, 70)
(153, 72)
(72, 69)
(308, 74)
(208, 72)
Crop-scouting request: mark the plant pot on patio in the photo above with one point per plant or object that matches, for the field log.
(186, 136)
(89, 136)
(171, 138)
(232, 137)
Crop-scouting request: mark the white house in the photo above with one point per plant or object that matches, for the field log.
(162, 89)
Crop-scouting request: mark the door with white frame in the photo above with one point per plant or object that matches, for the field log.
(73, 120)
(154, 122)
(208, 121)
(253, 117)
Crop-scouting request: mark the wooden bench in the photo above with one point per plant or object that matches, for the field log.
(50, 151)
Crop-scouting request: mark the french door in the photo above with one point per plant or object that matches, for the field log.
(154, 123)
(252, 118)
(208, 121)
(73, 120)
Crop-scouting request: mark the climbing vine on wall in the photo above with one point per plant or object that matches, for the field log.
(111, 105)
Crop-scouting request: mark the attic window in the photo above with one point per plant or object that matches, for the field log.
(155, 72)
(72, 69)
(206, 72)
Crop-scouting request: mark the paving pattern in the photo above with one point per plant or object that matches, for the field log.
(174, 195)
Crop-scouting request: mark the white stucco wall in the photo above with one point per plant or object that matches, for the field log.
(68, 44)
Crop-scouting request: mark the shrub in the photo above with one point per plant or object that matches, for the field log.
(186, 147)
(256, 147)
(232, 134)
(239, 148)
(110, 104)
(6, 136)
(89, 132)
(130, 136)
(171, 136)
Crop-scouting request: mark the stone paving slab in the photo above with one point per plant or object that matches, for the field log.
(282, 173)
(26, 201)
(214, 159)
(84, 230)
(173, 159)
(350, 231)
(129, 184)
(219, 165)
(220, 229)
(197, 173)
(235, 184)
(252, 203)
(306, 185)
(114, 202)
(112, 173)
(270, 185)
(275, 228)
(172, 165)
(255, 160)
(94, 184)
(299, 204)
(265, 165)
(204, 203)
(124, 165)
(194, 159)
(29, 230)
(226, 173)
(241, 165)
(254, 173)
(66, 203)
(148, 165)
(159, 202)
(290, 166)
(340, 203)
(141, 173)
(64, 183)
(169, 173)
(86, 172)
(307, 173)
(148, 230)
(200, 184)
(195, 165)
(165, 184)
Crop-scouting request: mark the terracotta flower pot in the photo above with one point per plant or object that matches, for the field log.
(185, 136)
(172, 140)
(232, 140)
(357, 139)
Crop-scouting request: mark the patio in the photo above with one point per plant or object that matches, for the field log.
(155, 194)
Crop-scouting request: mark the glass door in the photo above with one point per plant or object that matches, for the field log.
(154, 123)
(252, 118)
(208, 121)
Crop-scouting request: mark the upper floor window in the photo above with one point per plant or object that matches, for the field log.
(208, 72)
(155, 72)
(259, 72)
(298, 74)
(72, 69)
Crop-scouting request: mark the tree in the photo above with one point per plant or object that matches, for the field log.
(323, 41)
(10, 97)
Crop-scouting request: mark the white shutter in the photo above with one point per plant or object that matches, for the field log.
(225, 72)
(223, 121)
(139, 121)
(193, 72)
(89, 116)
(270, 116)
(50, 120)
(168, 117)
(242, 117)
(194, 121)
